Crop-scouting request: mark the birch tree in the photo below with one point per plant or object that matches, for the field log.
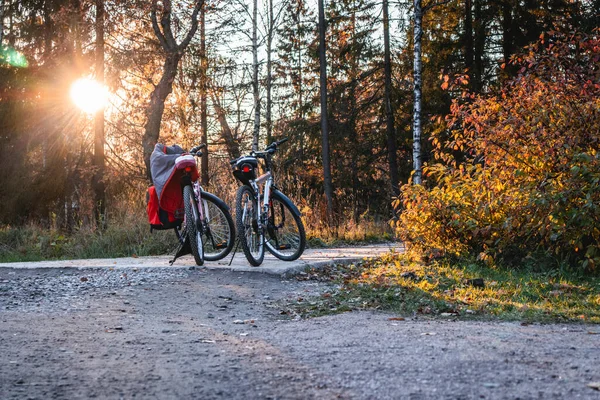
(255, 83)
(418, 83)
(273, 18)
(419, 11)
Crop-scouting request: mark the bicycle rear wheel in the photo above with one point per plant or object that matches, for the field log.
(218, 233)
(192, 223)
(285, 234)
(251, 238)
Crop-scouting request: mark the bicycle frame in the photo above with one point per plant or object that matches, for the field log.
(267, 179)
(200, 204)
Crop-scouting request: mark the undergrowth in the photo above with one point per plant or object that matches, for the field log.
(129, 238)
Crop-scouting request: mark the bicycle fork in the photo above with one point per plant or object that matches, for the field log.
(264, 202)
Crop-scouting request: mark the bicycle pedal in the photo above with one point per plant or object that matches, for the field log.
(221, 245)
(285, 247)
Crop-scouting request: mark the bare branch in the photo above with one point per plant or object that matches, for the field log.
(157, 31)
(165, 22)
(194, 27)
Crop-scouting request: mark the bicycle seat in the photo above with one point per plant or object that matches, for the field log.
(184, 161)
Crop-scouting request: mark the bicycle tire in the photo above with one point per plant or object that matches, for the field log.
(285, 236)
(191, 224)
(251, 240)
(218, 234)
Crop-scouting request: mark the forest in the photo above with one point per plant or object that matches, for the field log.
(471, 126)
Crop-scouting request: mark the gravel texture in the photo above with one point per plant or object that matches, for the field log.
(177, 333)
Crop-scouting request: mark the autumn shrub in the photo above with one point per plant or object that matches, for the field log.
(518, 172)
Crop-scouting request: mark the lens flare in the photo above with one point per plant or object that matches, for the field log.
(12, 57)
(89, 95)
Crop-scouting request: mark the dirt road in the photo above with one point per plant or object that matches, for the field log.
(214, 334)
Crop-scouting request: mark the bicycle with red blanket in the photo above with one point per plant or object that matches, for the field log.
(201, 221)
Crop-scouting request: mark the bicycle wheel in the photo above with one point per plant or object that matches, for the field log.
(218, 230)
(191, 224)
(251, 239)
(285, 235)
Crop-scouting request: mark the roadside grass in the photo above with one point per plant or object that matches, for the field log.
(127, 239)
(452, 290)
(350, 233)
(128, 234)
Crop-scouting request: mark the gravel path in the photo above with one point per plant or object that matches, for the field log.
(211, 334)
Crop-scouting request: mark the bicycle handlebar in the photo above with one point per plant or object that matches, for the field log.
(194, 151)
(270, 149)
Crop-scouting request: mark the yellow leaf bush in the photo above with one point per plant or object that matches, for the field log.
(527, 177)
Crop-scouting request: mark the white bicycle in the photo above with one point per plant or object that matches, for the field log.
(266, 218)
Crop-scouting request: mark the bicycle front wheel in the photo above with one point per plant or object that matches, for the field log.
(285, 236)
(218, 233)
(250, 236)
(192, 222)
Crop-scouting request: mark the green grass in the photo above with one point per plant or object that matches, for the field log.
(441, 289)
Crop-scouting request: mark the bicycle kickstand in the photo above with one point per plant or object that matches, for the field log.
(237, 243)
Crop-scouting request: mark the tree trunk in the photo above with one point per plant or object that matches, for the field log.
(389, 112)
(507, 34)
(98, 179)
(1, 22)
(233, 147)
(255, 77)
(418, 35)
(11, 25)
(468, 42)
(156, 107)
(327, 183)
(479, 47)
(268, 117)
(203, 96)
(300, 112)
(173, 53)
(352, 132)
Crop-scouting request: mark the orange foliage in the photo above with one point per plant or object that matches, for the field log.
(520, 171)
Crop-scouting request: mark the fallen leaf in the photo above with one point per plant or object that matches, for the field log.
(396, 319)
(594, 385)
(134, 255)
(593, 333)
(83, 279)
(428, 334)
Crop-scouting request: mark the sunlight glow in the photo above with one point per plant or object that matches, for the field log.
(89, 95)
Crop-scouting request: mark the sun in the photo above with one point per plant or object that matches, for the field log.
(89, 95)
